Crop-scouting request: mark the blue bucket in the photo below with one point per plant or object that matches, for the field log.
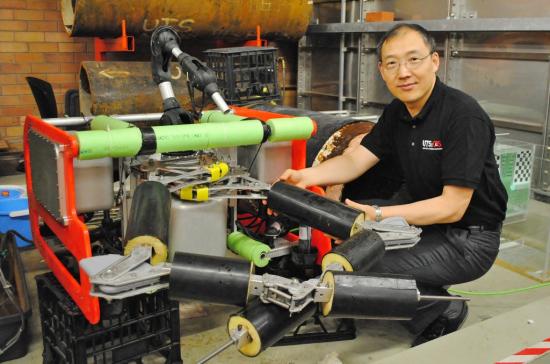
(14, 212)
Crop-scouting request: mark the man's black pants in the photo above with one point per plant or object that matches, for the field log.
(445, 255)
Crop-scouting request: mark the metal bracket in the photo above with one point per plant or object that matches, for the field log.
(185, 172)
(396, 232)
(288, 293)
(114, 276)
(279, 251)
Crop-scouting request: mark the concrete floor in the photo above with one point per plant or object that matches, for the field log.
(377, 341)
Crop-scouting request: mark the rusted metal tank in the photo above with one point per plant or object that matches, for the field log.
(220, 19)
(126, 88)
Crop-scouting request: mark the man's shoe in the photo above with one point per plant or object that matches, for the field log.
(449, 321)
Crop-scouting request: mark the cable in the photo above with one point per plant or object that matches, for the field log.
(18, 235)
(498, 293)
(255, 155)
(8, 289)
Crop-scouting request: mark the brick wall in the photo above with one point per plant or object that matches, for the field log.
(33, 42)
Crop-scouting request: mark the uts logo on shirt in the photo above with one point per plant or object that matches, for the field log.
(432, 144)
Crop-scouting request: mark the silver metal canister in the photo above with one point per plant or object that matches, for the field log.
(198, 227)
(93, 184)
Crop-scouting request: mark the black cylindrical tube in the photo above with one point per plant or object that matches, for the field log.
(266, 324)
(331, 217)
(209, 278)
(148, 141)
(358, 253)
(149, 219)
(387, 297)
(150, 212)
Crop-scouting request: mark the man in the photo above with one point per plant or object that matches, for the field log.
(443, 141)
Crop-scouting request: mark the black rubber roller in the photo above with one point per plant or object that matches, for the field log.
(210, 279)
(358, 253)
(149, 220)
(329, 216)
(387, 297)
(266, 324)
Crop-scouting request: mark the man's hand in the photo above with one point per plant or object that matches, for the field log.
(370, 213)
(294, 177)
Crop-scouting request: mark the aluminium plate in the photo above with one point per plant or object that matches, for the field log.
(47, 172)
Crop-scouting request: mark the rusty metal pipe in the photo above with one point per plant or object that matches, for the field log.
(108, 88)
(218, 19)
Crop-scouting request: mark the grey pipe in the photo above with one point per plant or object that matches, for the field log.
(81, 120)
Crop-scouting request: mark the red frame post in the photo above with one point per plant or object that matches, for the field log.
(74, 235)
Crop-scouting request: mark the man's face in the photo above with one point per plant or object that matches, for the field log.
(408, 68)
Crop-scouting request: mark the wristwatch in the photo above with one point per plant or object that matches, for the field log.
(377, 213)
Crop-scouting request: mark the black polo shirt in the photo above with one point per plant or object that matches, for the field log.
(450, 142)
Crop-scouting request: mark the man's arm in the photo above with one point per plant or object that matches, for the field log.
(342, 169)
(446, 208)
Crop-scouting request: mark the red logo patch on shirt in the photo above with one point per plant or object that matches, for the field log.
(432, 144)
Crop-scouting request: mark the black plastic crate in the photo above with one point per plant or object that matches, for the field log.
(13, 318)
(128, 330)
(245, 74)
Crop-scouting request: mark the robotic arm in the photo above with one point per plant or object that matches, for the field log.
(164, 45)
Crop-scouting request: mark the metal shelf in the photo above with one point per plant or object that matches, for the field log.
(541, 24)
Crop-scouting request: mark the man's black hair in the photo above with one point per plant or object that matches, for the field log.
(396, 29)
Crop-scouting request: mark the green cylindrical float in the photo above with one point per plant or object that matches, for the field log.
(298, 128)
(119, 140)
(127, 142)
(282, 129)
(248, 248)
(104, 122)
(175, 138)
(96, 144)
(213, 116)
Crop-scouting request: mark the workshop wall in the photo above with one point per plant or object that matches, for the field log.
(33, 42)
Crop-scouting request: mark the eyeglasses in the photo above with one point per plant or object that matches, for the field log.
(411, 63)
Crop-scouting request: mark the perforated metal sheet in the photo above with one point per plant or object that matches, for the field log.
(47, 175)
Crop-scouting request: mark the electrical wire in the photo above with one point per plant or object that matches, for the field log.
(499, 293)
(255, 156)
(9, 292)
(18, 235)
